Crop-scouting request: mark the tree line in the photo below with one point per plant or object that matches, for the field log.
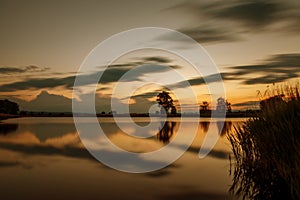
(9, 107)
(166, 104)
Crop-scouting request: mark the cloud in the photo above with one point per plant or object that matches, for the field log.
(226, 21)
(267, 79)
(112, 74)
(146, 94)
(45, 102)
(199, 81)
(247, 104)
(142, 104)
(277, 68)
(38, 83)
(251, 14)
(157, 59)
(204, 33)
(18, 70)
(209, 34)
(274, 69)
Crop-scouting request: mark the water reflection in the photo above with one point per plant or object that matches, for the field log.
(169, 129)
(166, 132)
(56, 158)
(62, 138)
(225, 126)
(8, 128)
(204, 126)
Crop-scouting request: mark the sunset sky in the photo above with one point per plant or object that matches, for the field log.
(255, 44)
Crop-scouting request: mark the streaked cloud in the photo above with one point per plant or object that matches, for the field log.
(157, 59)
(196, 81)
(276, 68)
(38, 83)
(250, 14)
(112, 74)
(18, 70)
(227, 21)
(247, 104)
(146, 94)
(210, 34)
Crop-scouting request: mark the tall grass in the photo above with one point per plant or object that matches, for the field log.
(267, 149)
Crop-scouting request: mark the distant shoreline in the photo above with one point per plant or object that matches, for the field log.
(240, 114)
(7, 116)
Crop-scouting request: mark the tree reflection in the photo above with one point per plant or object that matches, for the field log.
(224, 127)
(204, 126)
(8, 128)
(166, 132)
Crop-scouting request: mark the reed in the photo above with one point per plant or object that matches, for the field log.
(266, 149)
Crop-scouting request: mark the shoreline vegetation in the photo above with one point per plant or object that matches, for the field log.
(164, 100)
(266, 149)
(205, 114)
(4, 116)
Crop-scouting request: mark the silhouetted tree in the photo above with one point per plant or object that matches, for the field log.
(204, 105)
(165, 101)
(173, 110)
(223, 105)
(228, 106)
(8, 107)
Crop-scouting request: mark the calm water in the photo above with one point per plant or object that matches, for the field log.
(43, 158)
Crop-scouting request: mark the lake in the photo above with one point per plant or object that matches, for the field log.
(43, 158)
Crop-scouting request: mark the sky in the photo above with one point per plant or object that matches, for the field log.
(255, 44)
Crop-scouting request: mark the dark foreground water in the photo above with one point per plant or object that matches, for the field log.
(43, 158)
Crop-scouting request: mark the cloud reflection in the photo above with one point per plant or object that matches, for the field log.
(68, 144)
